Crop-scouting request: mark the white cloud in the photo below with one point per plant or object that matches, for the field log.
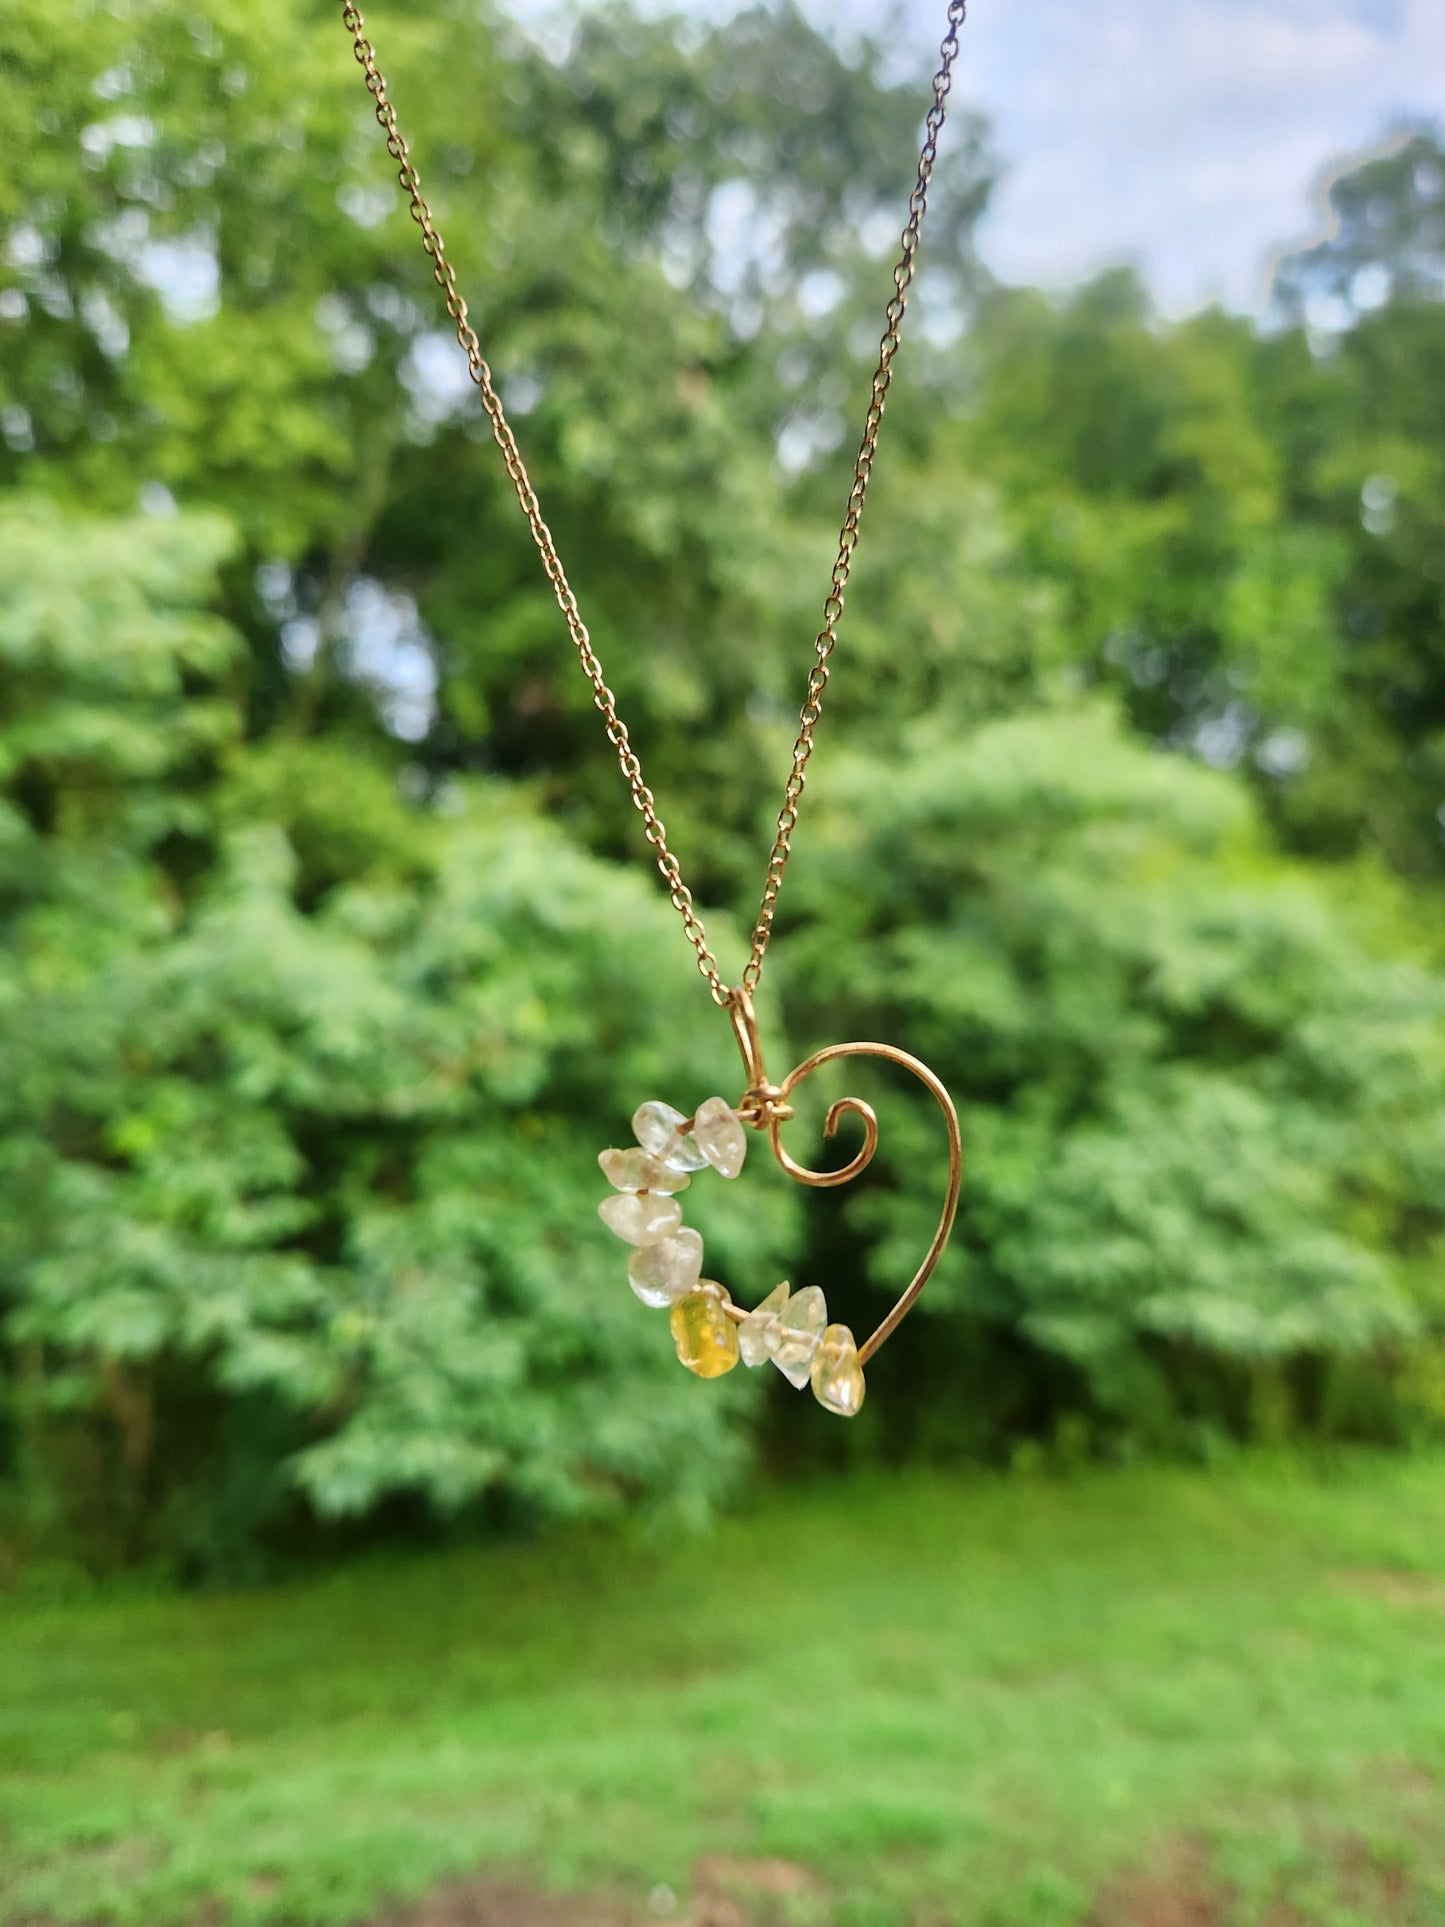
(1186, 135)
(1181, 134)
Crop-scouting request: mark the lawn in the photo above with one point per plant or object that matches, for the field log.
(1129, 1699)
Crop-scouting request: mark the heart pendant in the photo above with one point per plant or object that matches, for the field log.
(713, 1334)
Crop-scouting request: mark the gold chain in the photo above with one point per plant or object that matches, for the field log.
(827, 637)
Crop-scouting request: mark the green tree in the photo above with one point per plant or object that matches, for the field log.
(1245, 538)
(1362, 429)
(1201, 1095)
(1386, 238)
(303, 1091)
(212, 286)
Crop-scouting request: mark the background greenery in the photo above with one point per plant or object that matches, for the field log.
(331, 958)
(1130, 1699)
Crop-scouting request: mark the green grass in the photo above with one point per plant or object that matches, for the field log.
(984, 1701)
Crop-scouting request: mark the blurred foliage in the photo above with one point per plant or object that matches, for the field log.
(303, 1093)
(1204, 1149)
(322, 985)
(1385, 239)
(1250, 536)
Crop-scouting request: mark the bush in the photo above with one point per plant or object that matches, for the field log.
(303, 1092)
(1202, 1092)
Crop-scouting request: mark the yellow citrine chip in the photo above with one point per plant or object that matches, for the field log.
(706, 1338)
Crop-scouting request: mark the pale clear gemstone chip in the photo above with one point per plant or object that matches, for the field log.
(837, 1375)
(640, 1217)
(794, 1339)
(661, 1274)
(657, 1128)
(720, 1136)
(755, 1329)
(636, 1171)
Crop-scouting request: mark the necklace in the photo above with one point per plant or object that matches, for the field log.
(711, 1333)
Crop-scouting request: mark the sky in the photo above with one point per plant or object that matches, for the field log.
(1191, 137)
(1187, 135)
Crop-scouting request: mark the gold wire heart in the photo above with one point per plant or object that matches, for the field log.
(765, 1107)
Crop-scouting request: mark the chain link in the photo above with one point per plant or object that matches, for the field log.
(653, 827)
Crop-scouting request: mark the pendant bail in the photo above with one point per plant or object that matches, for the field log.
(762, 1104)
